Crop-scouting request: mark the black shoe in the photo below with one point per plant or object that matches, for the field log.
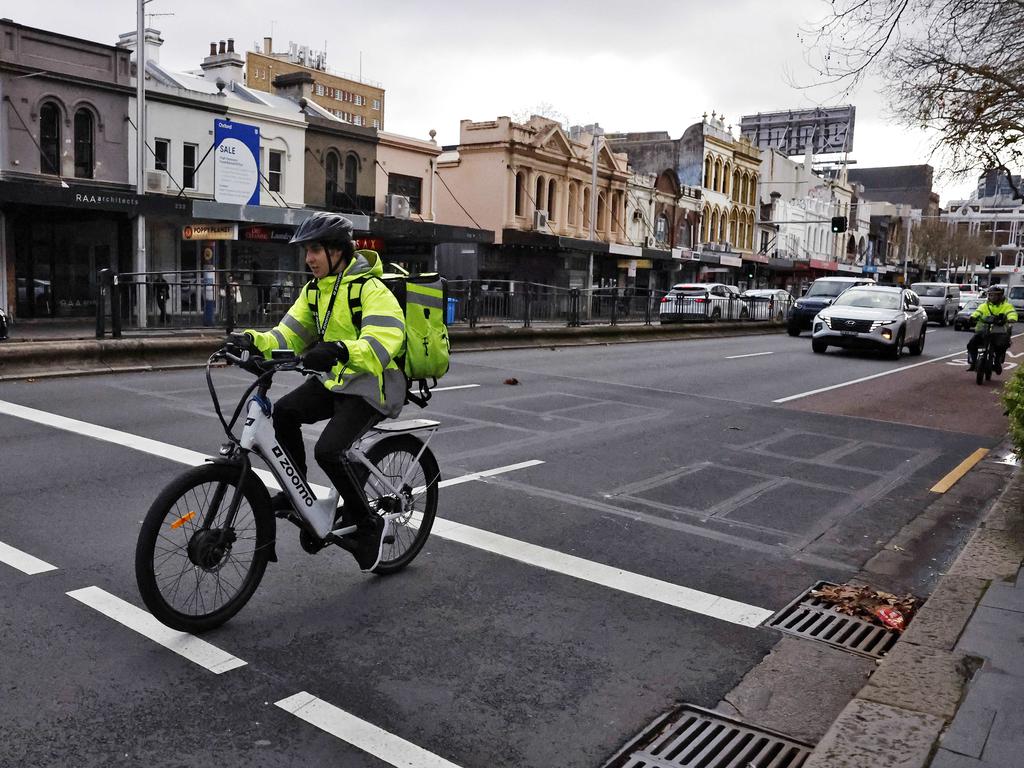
(367, 543)
(972, 367)
(280, 502)
(998, 368)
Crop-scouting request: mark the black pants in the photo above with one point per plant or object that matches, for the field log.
(1000, 343)
(350, 418)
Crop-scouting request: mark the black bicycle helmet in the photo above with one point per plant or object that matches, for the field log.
(324, 227)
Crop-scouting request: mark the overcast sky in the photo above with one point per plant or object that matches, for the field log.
(631, 65)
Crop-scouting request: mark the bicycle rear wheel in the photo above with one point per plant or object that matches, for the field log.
(984, 367)
(415, 506)
(194, 572)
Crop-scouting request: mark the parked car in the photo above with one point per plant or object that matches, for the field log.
(966, 296)
(940, 301)
(768, 303)
(1015, 296)
(822, 292)
(962, 321)
(883, 318)
(702, 301)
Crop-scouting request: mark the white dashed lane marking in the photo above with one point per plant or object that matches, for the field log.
(385, 746)
(23, 561)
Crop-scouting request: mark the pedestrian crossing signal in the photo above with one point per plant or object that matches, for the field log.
(838, 223)
(990, 262)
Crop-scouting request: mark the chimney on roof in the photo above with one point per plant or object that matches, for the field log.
(151, 40)
(223, 64)
(268, 46)
(231, 45)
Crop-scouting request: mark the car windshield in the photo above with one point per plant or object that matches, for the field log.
(869, 299)
(826, 288)
(1017, 292)
(924, 289)
(972, 305)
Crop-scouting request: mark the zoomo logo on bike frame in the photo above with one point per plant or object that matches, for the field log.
(297, 481)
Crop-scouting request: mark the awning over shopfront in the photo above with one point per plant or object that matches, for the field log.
(264, 214)
(394, 230)
(554, 242)
(92, 197)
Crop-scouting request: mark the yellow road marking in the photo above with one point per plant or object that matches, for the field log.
(962, 469)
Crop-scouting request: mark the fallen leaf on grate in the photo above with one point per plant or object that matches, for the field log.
(885, 608)
(512, 381)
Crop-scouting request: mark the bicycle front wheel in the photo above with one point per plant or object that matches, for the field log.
(414, 506)
(195, 571)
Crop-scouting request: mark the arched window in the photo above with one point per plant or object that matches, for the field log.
(331, 188)
(752, 200)
(520, 183)
(751, 222)
(49, 139)
(602, 212)
(723, 228)
(718, 176)
(705, 226)
(726, 176)
(573, 200)
(743, 194)
(586, 208)
(713, 234)
(707, 172)
(351, 174)
(538, 193)
(661, 228)
(83, 144)
(552, 199)
(736, 184)
(734, 234)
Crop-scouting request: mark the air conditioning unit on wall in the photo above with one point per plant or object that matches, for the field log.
(398, 206)
(157, 181)
(650, 241)
(540, 220)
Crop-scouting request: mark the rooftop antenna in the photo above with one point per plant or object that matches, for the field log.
(150, 16)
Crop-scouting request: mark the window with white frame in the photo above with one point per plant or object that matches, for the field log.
(275, 170)
(319, 89)
(161, 153)
(376, 123)
(360, 99)
(188, 165)
(376, 103)
(357, 119)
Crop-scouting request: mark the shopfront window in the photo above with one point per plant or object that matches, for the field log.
(49, 139)
(351, 172)
(83, 144)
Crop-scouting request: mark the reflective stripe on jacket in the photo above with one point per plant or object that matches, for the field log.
(371, 371)
(988, 309)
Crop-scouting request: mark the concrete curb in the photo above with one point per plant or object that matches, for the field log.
(899, 716)
(76, 357)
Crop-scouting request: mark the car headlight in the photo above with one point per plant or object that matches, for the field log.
(799, 305)
(887, 334)
(826, 320)
(875, 325)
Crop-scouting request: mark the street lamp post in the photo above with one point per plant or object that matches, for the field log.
(140, 153)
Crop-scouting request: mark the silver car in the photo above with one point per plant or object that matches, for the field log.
(882, 318)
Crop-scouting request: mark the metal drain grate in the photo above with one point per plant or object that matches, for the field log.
(698, 738)
(814, 619)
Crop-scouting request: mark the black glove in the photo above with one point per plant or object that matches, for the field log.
(1000, 319)
(242, 342)
(324, 355)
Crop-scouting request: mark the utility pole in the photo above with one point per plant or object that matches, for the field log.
(598, 132)
(140, 154)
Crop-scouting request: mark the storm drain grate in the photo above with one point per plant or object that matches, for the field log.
(813, 619)
(698, 738)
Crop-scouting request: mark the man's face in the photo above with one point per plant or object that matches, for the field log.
(318, 262)
(995, 297)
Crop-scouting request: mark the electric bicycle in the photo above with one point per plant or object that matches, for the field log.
(207, 538)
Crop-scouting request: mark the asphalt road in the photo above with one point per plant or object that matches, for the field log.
(683, 492)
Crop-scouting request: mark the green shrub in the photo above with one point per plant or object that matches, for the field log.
(1013, 399)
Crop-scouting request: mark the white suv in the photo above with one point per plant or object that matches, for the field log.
(884, 318)
(702, 301)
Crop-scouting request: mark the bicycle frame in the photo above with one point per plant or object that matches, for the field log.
(319, 514)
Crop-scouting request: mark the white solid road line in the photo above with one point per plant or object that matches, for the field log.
(549, 559)
(385, 746)
(873, 376)
(182, 643)
(752, 354)
(449, 389)
(23, 561)
(677, 596)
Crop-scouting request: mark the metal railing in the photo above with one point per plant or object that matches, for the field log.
(216, 299)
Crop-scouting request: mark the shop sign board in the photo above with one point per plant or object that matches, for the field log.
(730, 261)
(266, 234)
(237, 163)
(209, 232)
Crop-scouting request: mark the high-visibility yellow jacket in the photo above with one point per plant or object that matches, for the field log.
(987, 309)
(371, 371)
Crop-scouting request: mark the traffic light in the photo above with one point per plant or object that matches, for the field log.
(838, 223)
(990, 262)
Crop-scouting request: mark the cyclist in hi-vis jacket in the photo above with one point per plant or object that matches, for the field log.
(360, 383)
(998, 307)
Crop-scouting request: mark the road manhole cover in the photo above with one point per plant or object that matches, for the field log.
(814, 619)
(698, 738)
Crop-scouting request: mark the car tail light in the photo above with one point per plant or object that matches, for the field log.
(700, 301)
(664, 299)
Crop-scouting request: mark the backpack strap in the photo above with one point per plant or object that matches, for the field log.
(423, 397)
(355, 302)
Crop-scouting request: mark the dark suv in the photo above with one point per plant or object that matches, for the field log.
(821, 294)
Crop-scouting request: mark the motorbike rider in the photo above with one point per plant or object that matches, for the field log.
(360, 383)
(995, 306)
